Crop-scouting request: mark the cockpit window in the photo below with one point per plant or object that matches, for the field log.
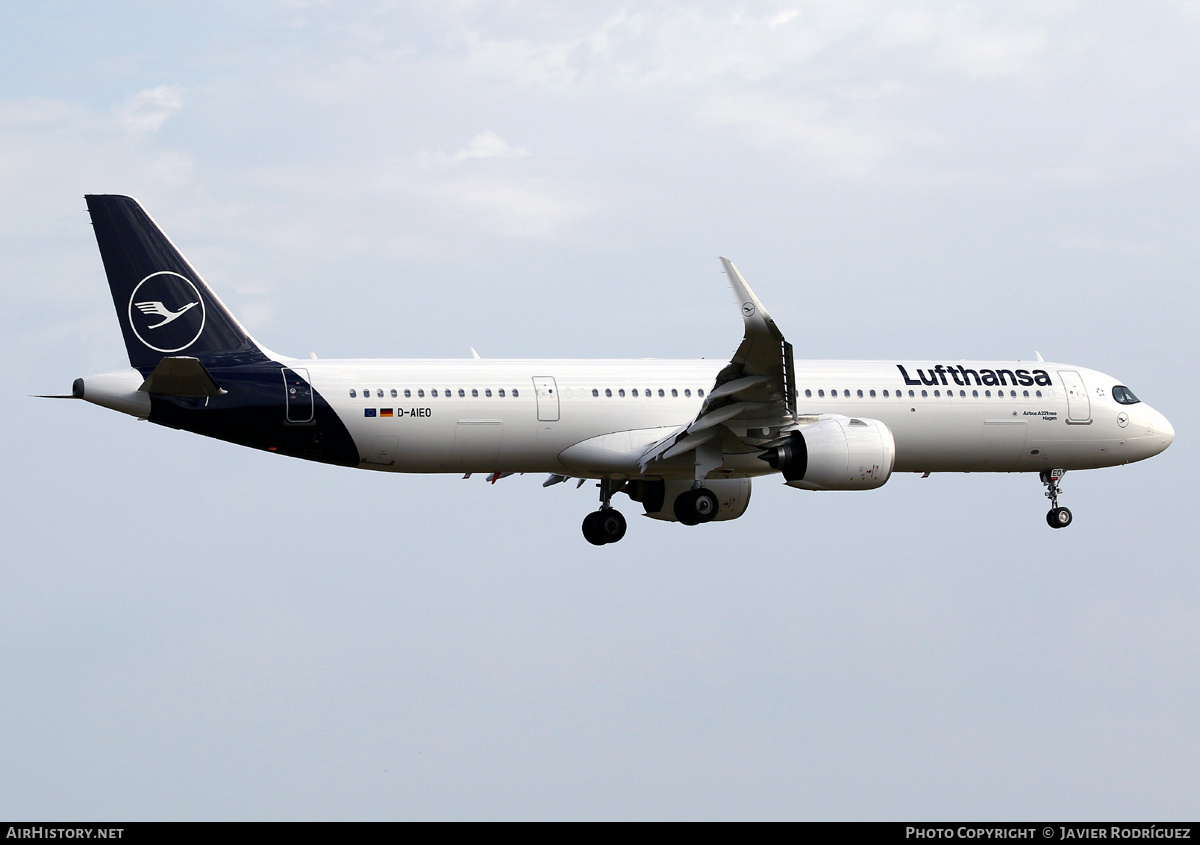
(1124, 395)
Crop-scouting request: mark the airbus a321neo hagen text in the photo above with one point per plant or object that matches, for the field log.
(682, 438)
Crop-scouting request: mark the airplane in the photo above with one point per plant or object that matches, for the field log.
(684, 439)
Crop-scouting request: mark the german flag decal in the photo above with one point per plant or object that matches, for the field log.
(385, 412)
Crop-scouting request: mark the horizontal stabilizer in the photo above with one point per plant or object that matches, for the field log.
(183, 377)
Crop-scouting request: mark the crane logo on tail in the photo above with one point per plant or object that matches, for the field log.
(157, 307)
(166, 312)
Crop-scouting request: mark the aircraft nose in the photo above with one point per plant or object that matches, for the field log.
(1165, 430)
(1159, 432)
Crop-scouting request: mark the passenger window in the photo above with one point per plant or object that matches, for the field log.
(516, 393)
(488, 393)
(661, 393)
(924, 394)
(821, 394)
(1025, 393)
(988, 394)
(500, 392)
(1038, 393)
(975, 393)
(911, 395)
(885, 395)
(872, 394)
(635, 393)
(937, 393)
(474, 393)
(860, 396)
(808, 394)
(674, 393)
(595, 392)
(461, 393)
(394, 393)
(962, 394)
(433, 393)
(621, 392)
(687, 392)
(379, 393)
(699, 392)
(608, 392)
(353, 393)
(421, 393)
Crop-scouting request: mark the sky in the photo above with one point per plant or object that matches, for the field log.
(189, 630)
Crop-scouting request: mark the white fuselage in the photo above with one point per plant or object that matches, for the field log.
(594, 417)
(683, 438)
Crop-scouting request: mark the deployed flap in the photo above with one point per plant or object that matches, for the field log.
(754, 395)
(181, 376)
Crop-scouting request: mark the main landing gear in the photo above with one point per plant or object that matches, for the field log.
(605, 525)
(1057, 517)
(695, 506)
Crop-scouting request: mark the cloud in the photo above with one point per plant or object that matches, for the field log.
(968, 44)
(485, 145)
(490, 145)
(148, 110)
(527, 208)
(802, 128)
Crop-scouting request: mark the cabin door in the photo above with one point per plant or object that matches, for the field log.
(547, 398)
(1079, 406)
(297, 396)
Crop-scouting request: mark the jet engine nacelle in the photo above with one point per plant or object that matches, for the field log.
(658, 497)
(836, 453)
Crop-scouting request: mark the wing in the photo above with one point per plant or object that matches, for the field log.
(752, 401)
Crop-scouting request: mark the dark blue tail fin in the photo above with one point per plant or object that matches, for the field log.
(163, 305)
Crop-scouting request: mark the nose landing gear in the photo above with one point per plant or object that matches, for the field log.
(1057, 517)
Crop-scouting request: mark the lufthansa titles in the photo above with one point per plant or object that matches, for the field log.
(964, 376)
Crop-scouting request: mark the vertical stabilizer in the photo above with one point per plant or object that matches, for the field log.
(163, 305)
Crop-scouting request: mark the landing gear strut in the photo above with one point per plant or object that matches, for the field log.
(1057, 517)
(605, 525)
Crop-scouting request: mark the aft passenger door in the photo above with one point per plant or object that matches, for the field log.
(547, 398)
(297, 396)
